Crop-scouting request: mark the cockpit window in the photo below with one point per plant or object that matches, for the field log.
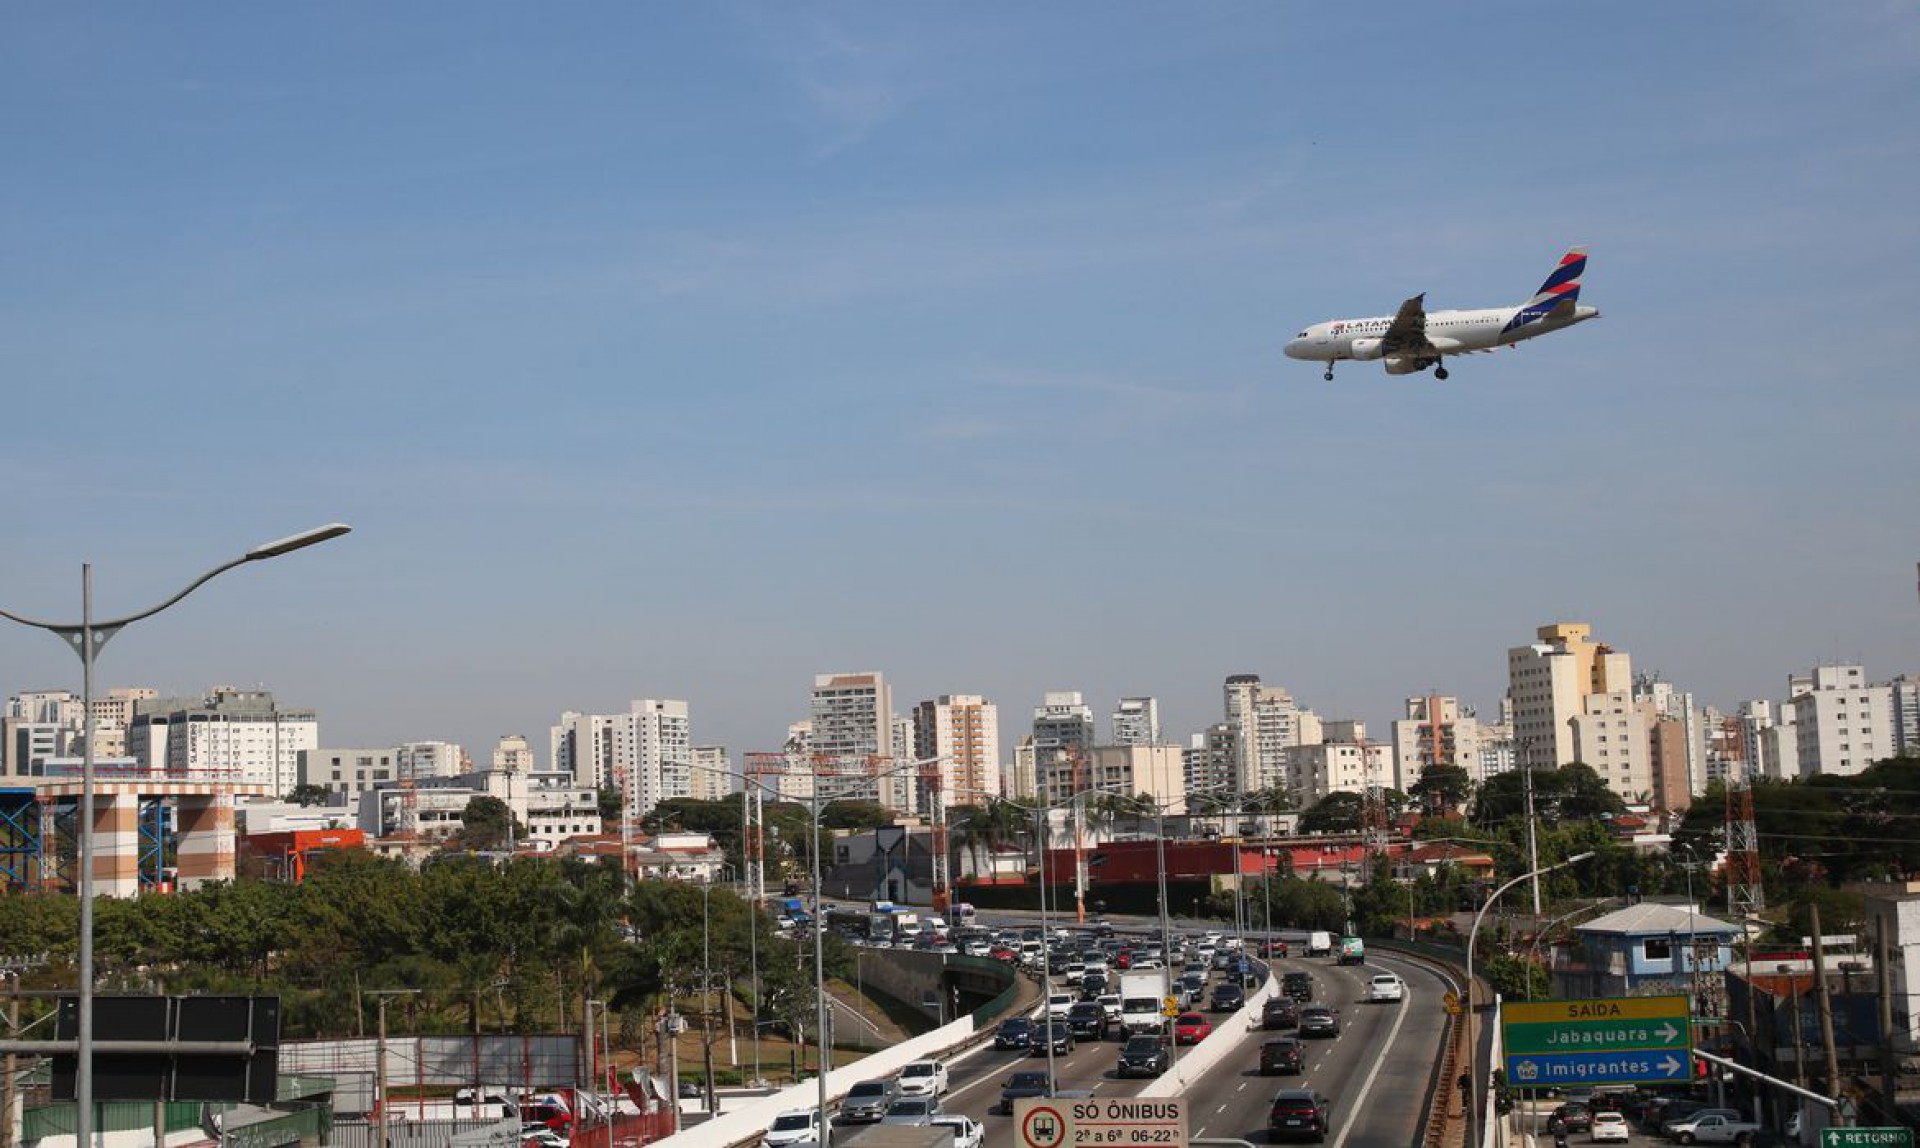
(1301, 335)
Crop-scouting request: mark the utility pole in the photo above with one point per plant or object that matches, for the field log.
(1883, 972)
(1533, 845)
(380, 1061)
(7, 1084)
(1826, 1013)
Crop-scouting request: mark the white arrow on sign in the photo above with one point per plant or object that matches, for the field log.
(1670, 1066)
(1667, 1032)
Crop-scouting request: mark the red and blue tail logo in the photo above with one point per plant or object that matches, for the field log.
(1561, 289)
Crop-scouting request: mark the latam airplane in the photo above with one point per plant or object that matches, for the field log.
(1413, 340)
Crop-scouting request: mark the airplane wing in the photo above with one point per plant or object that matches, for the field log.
(1407, 334)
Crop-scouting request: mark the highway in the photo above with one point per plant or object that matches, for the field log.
(1377, 1071)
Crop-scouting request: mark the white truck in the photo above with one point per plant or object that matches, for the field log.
(1713, 1128)
(1140, 1003)
(1319, 944)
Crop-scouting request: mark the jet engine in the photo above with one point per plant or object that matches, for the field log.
(1408, 364)
(1365, 350)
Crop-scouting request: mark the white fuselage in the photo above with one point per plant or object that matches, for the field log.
(1450, 332)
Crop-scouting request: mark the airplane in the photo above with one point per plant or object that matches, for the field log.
(1414, 340)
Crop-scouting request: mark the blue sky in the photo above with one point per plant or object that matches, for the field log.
(690, 350)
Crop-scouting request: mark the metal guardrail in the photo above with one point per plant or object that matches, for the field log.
(1440, 1090)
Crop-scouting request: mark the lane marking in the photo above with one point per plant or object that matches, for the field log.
(1359, 1102)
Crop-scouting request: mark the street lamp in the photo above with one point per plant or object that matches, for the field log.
(87, 638)
(1166, 925)
(1473, 1044)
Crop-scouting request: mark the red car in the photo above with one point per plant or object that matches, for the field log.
(1003, 953)
(1123, 959)
(1191, 1028)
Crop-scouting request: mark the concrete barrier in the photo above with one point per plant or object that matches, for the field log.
(1206, 1055)
(747, 1123)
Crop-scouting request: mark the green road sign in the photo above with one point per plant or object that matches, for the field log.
(1866, 1138)
(1596, 1035)
(1620, 1040)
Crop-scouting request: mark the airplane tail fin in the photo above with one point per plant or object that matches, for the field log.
(1558, 293)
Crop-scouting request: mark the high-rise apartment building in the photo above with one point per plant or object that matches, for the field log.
(965, 730)
(1547, 682)
(1063, 739)
(1267, 722)
(1905, 700)
(1343, 762)
(851, 740)
(1208, 763)
(231, 736)
(653, 753)
(645, 753)
(1610, 735)
(1841, 724)
(1154, 770)
(1435, 730)
(713, 773)
(1136, 721)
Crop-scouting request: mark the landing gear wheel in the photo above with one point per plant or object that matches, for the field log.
(1440, 373)
(1329, 375)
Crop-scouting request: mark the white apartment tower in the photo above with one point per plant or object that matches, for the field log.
(652, 754)
(1136, 721)
(965, 730)
(1266, 723)
(1547, 682)
(713, 779)
(1841, 724)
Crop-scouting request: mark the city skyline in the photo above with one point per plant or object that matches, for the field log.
(691, 353)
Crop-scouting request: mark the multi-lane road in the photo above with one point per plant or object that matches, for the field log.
(1377, 1072)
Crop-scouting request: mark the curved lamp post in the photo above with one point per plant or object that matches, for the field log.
(87, 638)
(1473, 1043)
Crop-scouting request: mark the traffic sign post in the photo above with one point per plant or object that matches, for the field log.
(1627, 1040)
(1866, 1138)
(1124, 1122)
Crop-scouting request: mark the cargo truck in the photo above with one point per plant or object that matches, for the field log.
(1140, 1003)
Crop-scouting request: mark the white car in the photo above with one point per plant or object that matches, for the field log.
(1386, 987)
(792, 1127)
(1609, 1126)
(1110, 1004)
(923, 1078)
(1059, 1005)
(967, 1132)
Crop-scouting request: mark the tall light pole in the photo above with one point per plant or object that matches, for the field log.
(1473, 1043)
(1533, 845)
(818, 924)
(87, 638)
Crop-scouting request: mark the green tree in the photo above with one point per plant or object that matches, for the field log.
(1442, 789)
(307, 794)
(1337, 812)
(486, 823)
